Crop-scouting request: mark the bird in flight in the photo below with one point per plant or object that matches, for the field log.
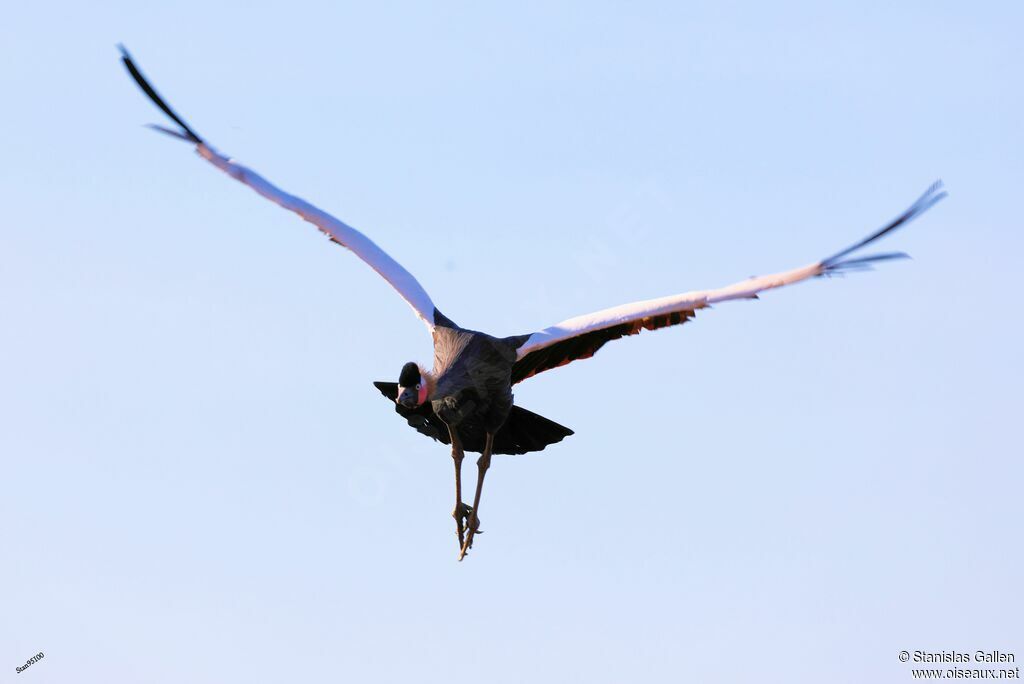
(466, 399)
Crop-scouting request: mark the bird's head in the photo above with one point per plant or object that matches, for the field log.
(413, 386)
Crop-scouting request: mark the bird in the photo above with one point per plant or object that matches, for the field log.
(465, 399)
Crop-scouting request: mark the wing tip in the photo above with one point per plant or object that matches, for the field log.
(186, 132)
(933, 195)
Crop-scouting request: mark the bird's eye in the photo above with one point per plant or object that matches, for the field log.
(417, 387)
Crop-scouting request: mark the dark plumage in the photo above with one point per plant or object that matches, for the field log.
(410, 375)
(523, 431)
(587, 344)
(473, 392)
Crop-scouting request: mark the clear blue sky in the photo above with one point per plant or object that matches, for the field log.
(201, 484)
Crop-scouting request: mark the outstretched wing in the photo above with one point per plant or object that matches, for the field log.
(581, 337)
(338, 232)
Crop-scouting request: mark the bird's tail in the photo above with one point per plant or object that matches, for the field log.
(525, 431)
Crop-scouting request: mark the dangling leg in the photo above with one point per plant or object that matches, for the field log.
(461, 511)
(473, 524)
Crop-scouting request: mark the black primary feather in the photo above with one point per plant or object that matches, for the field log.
(157, 100)
(932, 196)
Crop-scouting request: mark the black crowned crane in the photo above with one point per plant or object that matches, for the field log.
(466, 400)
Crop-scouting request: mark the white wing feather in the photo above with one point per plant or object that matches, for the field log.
(745, 289)
(339, 232)
(687, 301)
(343, 234)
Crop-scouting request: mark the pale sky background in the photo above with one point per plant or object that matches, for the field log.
(200, 484)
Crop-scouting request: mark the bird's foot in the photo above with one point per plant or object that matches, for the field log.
(472, 529)
(462, 513)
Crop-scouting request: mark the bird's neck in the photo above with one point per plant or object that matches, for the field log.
(428, 383)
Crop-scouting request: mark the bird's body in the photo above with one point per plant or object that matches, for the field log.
(466, 399)
(471, 388)
(472, 376)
